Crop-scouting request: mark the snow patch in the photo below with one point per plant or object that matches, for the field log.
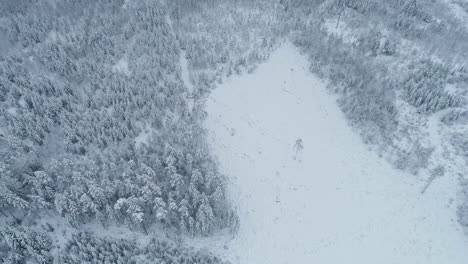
(22, 102)
(5, 45)
(12, 111)
(126, 4)
(110, 110)
(122, 67)
(144, 136)
(341, 202)
(185, 75)
(55, 36)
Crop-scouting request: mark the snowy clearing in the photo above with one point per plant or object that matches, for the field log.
(336, 202)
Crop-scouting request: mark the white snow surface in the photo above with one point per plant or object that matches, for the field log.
(341, 203)
(145, 135)
(122, 67)
(185, 74)
(185, 71)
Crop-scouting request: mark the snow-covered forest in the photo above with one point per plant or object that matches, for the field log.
(107, 111)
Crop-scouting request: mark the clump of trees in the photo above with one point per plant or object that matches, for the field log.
(425, 87)
(24, 245)
(86, 248)
(85, 81)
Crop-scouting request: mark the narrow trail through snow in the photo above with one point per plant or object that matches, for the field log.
(341, 204)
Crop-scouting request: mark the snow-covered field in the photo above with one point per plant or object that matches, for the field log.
(340, 203)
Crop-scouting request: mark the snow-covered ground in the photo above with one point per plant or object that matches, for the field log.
(186, 78)
(341, 203)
